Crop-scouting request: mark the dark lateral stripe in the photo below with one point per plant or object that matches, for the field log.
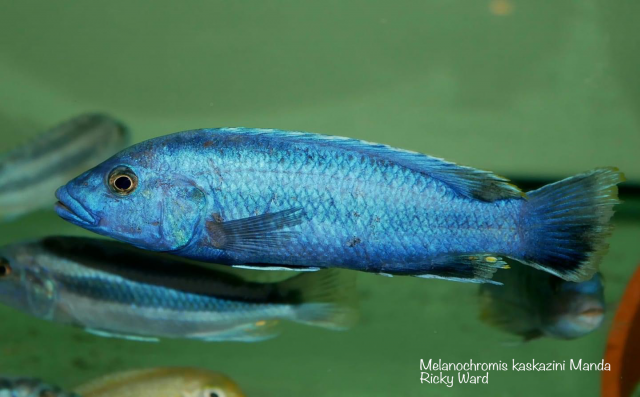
(53, 139)
(141, 267)
(61, 167)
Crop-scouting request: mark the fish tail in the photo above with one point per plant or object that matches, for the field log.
(566, 224)
(327, 298)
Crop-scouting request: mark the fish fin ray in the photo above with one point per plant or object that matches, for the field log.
(567, 224)
(328, 298)
(255, 234)
(463, 267)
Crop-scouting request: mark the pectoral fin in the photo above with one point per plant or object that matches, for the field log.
(256, 234)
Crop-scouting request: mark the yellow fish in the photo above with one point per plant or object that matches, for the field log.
(162, 382)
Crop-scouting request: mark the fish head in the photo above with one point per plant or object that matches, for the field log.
(135, 197)
(576, 309)
(24, 284)
(204, 383)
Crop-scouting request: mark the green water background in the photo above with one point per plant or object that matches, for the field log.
(548, 90)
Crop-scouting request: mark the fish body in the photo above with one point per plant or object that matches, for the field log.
(30, 174)
(115, 290)
(26, 387)
(277, 199)
(162, 382)
(533, 304)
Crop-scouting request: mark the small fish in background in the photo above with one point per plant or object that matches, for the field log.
(533, 304)
(114, 290)
(27, 387)
(153, 382)
(270, 199)
(162, 382)
(30, 174)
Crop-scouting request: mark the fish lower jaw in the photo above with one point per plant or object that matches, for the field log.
(69, 215)
(71, 210)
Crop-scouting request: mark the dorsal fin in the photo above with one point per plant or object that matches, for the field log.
(466, 181)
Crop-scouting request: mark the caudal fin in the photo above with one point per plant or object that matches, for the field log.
(328, 298)
(566, 224)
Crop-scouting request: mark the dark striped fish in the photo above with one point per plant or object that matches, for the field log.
(26, 387)
(112, 289)
(30, 174)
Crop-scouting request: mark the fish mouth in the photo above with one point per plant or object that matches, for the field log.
(591, 316)
(70, 209)
(595, 311)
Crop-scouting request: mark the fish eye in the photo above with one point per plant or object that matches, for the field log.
(5, 268)
(123, 181)
(214, 393)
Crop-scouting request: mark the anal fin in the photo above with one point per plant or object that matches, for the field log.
(467, 268)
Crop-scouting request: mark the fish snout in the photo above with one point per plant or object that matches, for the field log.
(71, 210)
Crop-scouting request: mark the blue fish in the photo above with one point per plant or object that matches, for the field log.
(534, 304)
(114, 290)
(271, 199)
